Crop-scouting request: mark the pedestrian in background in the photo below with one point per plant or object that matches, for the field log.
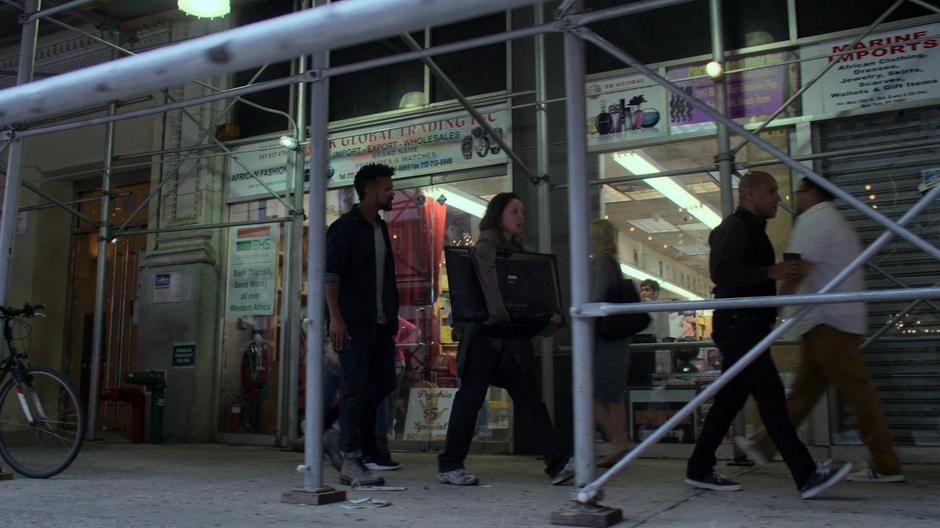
(741, 263)
(830, 335)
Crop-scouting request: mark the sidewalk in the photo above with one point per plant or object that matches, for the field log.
(123, 485)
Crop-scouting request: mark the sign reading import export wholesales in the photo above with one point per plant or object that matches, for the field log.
(444, 143)
(887, 68)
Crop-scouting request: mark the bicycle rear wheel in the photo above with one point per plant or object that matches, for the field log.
(51, 442)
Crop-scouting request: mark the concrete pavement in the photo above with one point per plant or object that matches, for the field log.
(123, 485)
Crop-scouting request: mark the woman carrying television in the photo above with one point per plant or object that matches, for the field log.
(493, 355)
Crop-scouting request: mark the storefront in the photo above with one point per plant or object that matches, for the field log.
(447, 168)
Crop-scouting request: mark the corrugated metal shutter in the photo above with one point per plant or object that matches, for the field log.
(905, 364)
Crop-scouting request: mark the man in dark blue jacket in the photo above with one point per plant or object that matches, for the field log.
(362, 300)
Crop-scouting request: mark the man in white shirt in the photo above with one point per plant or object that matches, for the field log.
(831, 334)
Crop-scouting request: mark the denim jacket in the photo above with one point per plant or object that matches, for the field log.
(350, 262)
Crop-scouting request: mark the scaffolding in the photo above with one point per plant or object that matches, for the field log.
(320, 29)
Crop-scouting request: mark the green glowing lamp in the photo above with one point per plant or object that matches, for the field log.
(205, 8)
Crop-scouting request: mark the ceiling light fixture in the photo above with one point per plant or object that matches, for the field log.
(638, 274)
(205, 8)
(638, 164)
(463, 201)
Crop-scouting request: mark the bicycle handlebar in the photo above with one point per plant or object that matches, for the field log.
(28, 310)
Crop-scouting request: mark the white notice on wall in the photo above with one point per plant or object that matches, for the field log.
(886, 68)
(252, 270)
(166, 287)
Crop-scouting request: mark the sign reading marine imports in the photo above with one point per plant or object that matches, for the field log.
(895, 67)
(414, 147)
(252, 270)
(624, 108)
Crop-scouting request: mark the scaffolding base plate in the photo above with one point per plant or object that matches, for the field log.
(593, 515)
(325, 495)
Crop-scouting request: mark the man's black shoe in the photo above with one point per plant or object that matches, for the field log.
(716, 482)
(823, 478)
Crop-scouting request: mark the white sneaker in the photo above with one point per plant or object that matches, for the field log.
(870, 475)
(750, 449)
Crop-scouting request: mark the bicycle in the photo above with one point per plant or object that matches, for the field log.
(42, 421)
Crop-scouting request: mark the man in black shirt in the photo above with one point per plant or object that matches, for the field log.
(362, 299)
(742, 265)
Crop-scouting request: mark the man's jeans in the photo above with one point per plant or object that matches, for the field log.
(829, 356)
(368, 377)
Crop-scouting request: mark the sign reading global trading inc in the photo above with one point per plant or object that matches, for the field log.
(414, 147)
(252, 270)
(894, 67)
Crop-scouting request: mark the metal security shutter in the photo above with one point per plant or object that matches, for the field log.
(905, 362)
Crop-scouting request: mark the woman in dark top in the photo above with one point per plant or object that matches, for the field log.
(611, 358)
(494, 356)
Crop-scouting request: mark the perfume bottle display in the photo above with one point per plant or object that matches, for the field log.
(616, 119)
(466, 147)
(603, 120)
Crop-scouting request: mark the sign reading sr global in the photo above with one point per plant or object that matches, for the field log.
(895, 67)
(414, 147)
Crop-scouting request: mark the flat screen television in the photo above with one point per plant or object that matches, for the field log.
(528, 283)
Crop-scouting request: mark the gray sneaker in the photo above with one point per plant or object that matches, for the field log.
(565, 474)
(355, 473)
(458, 477)
(331, 448)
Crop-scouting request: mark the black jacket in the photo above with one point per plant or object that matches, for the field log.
(741, 254)
(350, 262)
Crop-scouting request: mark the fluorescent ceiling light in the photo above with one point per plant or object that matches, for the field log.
(464, 201)
(693, 250)
(637, 164)
(205, 8)
(641, 275)
(693, 227)
(653, 225)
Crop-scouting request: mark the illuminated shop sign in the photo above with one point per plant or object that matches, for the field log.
(415, 147)
(886, 68)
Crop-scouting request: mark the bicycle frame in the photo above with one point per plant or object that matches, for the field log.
(13, 366)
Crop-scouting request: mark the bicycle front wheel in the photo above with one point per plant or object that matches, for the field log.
(42, 431)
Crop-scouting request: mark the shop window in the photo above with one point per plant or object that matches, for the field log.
(377, 89)
(754, 22)
(422, 222)
(254, 121)
(815, 18)
(475, 71)
(652, 36)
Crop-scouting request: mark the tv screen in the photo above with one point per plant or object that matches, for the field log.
(528, 283)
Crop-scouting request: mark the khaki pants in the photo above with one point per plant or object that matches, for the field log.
(829, 356)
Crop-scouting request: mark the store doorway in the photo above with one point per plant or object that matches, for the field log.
(124, 257)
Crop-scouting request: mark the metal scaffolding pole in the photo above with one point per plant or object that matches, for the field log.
(543, 188)
(11, 194)
(60, 203)
(832, 63)
(724, 158)
(331, 26)
(582, 329)
(835, 190)
(295, 271)
(590, 491)
(101, 269)
(927, 5)
(49, 11)
(316, 265)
